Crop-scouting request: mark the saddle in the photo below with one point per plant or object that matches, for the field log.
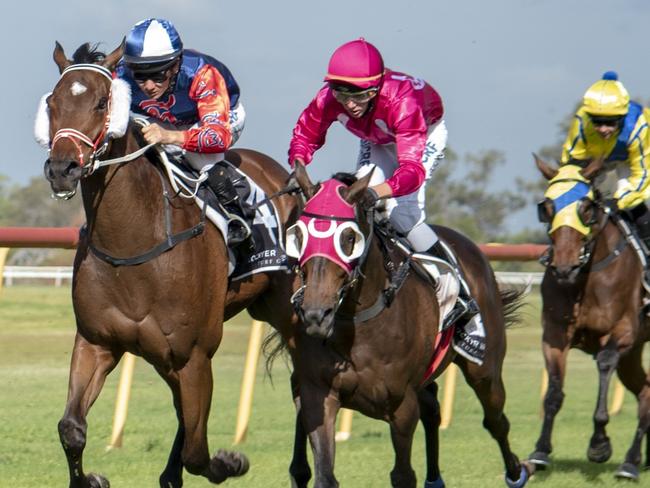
(262, 251)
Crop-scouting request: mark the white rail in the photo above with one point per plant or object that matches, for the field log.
(60, 273)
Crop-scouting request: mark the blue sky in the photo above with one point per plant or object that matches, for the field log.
(508, 70)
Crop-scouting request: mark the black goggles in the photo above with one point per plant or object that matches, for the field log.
(606, 121)
(156, 77)
(545, 216)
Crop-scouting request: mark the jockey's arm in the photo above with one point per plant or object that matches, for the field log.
(213, 134)
(574, 147)
(634, 190)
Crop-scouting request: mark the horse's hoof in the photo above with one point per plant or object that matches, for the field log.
(521, 482)
(97, 481)
(600, 453)
(227, 464)
(627, 471)
(540, 460)
(434, 484)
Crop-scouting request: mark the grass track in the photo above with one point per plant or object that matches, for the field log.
(36, 332)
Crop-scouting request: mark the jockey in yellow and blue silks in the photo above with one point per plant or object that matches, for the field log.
(609, 125)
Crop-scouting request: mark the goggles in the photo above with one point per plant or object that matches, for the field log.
(605, 121)
(157, 77)
(343, 95)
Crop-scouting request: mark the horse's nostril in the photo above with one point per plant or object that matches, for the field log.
(72, 165)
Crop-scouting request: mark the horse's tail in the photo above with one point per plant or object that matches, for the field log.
(274, 347)
(512, 300)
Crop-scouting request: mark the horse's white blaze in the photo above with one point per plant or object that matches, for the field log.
(77, 88)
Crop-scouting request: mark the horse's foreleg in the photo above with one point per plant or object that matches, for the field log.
(318, 413)
(402, 427)
(600, 448)
(299, 468)
(491, 393)
(631, 373)
(430, 418)
(195, 387)
(172, 475)
(555, 359)
(88, 369)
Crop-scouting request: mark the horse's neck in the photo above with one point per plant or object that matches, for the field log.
(123, 199)
(608, 240)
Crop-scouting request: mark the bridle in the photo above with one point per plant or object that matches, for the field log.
(100, 144)
(599, 221)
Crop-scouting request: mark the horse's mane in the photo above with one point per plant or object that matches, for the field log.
(88, 53)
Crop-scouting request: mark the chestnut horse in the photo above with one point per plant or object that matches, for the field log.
(592, 300)
(354, 351)
(168, 299)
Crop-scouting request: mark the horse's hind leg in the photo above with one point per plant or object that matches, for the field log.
(631, 373)
(402, 428)
(195, 388)
(600, 447)
(430, 418)
(490, 391)
(88, 369)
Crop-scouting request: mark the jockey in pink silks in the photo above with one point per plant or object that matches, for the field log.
(403, 136)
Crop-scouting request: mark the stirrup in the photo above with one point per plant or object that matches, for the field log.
(463, 310)
(238, 230)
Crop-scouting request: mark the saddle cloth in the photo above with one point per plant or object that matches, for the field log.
(265, 252)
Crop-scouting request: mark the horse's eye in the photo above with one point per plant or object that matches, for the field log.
(102, 104)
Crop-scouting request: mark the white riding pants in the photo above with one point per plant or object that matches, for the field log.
(406, 213)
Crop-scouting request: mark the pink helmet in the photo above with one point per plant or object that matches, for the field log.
(357, 63)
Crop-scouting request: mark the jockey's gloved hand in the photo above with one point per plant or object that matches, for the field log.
(369, 199)
(611, 204)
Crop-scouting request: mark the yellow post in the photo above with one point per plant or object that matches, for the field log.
(617, 398)
(122, 401)
(448, 396)
(345, 425)
(3, 258)
(542, 391)
(248, 381)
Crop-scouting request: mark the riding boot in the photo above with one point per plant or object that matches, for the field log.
(465, 307)
(641, 218)
(224, 190)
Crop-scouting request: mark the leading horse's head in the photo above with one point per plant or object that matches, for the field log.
(571, 210)
(329, 243)
(77, 120)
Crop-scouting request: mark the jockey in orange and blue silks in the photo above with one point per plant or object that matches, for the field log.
(609, 125)
(399, 121)
(192, 100)
(192, 92)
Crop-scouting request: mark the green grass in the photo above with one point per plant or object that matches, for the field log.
(36, 333)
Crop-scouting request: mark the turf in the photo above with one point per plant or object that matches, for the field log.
(36, 333)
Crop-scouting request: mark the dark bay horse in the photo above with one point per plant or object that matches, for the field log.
(377, 364)
(592, 300)
(170, 308)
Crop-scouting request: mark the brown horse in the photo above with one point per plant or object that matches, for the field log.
(592, 300)
(356, 352)
(167, 300)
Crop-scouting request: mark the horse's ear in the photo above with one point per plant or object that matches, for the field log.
(307, 187)
(548, 172)
(113, 58)
(593, 167)
(356, 190)
(59, 57)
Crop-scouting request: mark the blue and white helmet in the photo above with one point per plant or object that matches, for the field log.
(152, 45)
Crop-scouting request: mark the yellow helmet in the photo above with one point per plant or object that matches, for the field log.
(606, 97)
